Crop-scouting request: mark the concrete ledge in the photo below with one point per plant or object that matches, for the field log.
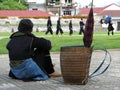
(110, 80)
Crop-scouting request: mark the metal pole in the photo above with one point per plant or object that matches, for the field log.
(92, 4)
(60, 8)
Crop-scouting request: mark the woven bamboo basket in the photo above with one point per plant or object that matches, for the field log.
(75, 63)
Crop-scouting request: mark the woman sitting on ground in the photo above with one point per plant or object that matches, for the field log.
(29, 55)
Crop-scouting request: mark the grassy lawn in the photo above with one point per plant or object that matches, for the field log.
(100, 39)
(5, 34)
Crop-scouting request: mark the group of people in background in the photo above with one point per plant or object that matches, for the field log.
(60, 30)
(81, 24)
(49, 27)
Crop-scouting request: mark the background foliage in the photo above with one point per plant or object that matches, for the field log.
(13, 5)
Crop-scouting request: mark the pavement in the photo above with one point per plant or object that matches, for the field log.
(110, 80)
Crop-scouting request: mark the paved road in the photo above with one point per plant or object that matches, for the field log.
(110, 80)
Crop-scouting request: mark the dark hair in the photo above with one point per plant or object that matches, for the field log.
(49, 17)
(25, 25)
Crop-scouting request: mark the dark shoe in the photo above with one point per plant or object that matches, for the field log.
(11, 75)
(112, 33)
(108, 33)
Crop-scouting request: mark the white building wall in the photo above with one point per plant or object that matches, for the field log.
(37, 4)
(113, 7)
(62, 1)
(37, 1)
(40, 5)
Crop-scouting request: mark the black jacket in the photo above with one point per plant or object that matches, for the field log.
(58, 24)
(22, 45)
(70, 26)
(81, 23)
(110, 26)
(49, 23)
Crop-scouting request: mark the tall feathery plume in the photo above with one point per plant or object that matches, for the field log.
(89, 28)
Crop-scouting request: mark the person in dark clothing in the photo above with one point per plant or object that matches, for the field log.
(24, 48)
(110, 27)
(49, 27)
(81, 26)
(70, 28)
(59, 29)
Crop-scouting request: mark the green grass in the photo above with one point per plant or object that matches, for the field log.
(3, 43)
(100, 39)
(5, 34)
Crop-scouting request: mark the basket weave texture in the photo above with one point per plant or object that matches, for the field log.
(75, 63)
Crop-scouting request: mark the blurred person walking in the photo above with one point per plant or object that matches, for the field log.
(49, 27)
(110, 27)
(59, 29)
(70, 28)
(81, 26)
